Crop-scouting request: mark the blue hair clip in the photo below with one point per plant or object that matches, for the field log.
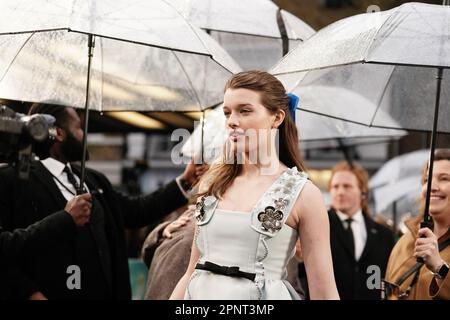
(293, 102)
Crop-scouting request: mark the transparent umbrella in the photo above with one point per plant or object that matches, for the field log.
(399, 198)
(395, 59)
(399, 168)
(256, 33)
(146, 56)
(397, 183)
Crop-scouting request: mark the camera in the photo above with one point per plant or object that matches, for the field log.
(18, 132)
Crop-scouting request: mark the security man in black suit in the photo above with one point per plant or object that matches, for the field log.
(360, 246)
(53, 228)
(97, 249)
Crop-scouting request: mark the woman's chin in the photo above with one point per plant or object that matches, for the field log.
(437, 211)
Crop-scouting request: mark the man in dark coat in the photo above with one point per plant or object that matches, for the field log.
(360, 247)
(57, 227)
(97, 251)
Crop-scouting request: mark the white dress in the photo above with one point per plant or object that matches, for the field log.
(259, 243)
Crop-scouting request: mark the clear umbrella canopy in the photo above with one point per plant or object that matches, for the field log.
(249, 30)
(251, 17)
(406, 190)
(387, 57)
(146, 56)
(399, 168)
(406, 94)
(396, 186)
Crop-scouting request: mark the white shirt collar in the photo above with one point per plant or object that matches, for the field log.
(54, 166)
(357, 217)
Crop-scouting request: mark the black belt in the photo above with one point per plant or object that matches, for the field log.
(226, 271)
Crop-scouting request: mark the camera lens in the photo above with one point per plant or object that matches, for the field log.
(37, 128)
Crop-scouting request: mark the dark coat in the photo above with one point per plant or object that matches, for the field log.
(54, 228)
(26, 202)
(169, 259)
(351, 276)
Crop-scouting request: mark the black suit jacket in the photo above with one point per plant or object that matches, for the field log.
(351, 276)
(54, 228)
(25, 202)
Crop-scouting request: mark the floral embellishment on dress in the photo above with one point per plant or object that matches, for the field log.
(270, 219)
(200, 209)
(202, 206)
(281, 203)
(269, 216)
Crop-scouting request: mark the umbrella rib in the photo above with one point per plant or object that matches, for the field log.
(298, 36)
(189, 25)
(189, 79)
(354, 62)
(15, 56)
(315, 68)
(139, 43)
(32, 31)
(398, 24)
(248, 34)
(382, 95)
(331, 116)
(408, 64)
(353, 121)
(392, 28)
(230, 71)
(369, 47)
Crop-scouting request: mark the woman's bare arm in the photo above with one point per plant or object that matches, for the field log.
(180, 288)
(314, 231)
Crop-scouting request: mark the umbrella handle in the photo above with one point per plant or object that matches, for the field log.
(425, 224)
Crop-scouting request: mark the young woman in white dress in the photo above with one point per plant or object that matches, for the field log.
(252, 209)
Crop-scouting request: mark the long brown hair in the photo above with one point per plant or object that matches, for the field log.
(274, 98)
(363, 181)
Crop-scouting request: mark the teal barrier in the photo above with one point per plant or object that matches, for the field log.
(138, 278)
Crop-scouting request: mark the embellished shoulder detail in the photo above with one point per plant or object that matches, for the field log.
(271, 212)
(204, 209)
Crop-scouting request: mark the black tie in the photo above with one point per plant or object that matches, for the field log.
(349, 233)
(71, 178)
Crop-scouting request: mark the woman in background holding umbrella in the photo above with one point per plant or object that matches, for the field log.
(250, 213)
(408, 279)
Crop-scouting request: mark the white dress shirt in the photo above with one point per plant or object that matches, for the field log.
(358, 226)
(56, 168)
